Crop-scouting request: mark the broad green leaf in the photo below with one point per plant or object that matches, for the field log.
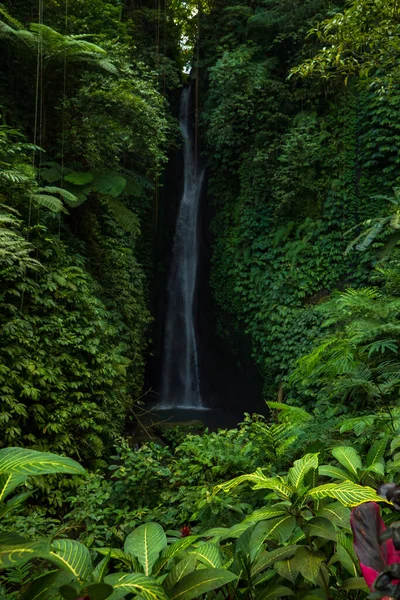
(297, 536)
(46, 585)
(275, 591)
(262, 578)
(216, 532)
(287, 569)
(100, 570)
(237, 530)
(8, 483)
(347, 543)
(209, 554)
(267, 559)
(347, 492)
(172, 550)
(78, 178)
(376, 452)
(262, 514)
(179, 545)
(135, 583)
(109, 183)
(338, 514)
(321, 527)
(199, 582)
(117, 554)
(73, 557)
(146, 543)
(308, 563)
(343, 556)
(394, 444)
(69, 592)
(260, 482)
(13, 502)
(334, 472)
(16, 550)
(184, 567)
(280, 528)
(242, 546)
(377, 467)
(20, 461)
(355, 583)
(300, 469)
(348, 458)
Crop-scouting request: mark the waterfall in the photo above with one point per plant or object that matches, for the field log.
(180, 368)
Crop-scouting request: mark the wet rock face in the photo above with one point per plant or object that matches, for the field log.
(229, 380)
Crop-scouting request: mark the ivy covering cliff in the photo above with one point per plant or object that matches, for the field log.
(300, 157)
(85, 128)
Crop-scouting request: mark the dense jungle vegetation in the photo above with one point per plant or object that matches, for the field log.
(297, 119)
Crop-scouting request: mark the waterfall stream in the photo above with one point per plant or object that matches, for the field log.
(180, 368)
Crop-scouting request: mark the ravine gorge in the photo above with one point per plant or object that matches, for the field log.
(199, 299)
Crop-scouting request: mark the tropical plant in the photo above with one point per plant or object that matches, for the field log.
(352, 467)
(16, 466)
(53, 46)
(359, 359)
(302, 530)
(361, 40)
(185, 568)
(380, 227)
(110, 186)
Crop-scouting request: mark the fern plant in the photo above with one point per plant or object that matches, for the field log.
(358, 360)
(77, 186)
(53, 46)
(15, 250)
(384, 229)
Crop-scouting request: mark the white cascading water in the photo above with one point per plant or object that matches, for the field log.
(180, 370)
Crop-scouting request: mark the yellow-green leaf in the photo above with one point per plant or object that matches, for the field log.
(146, 542)
(348, 493)
(300, 469)
(135, 583)
(31, 462)
(199, 582)
(348, 458)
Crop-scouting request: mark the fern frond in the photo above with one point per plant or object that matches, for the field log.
(69, 198)
(51, 202)
(294, 414)
(13, 176)
(125, 217)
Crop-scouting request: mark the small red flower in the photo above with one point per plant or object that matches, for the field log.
(186, 530)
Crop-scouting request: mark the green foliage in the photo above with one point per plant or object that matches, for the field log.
(291, 536)
(76, 225)
(362, 39)
(359, 359)
(294, 167)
